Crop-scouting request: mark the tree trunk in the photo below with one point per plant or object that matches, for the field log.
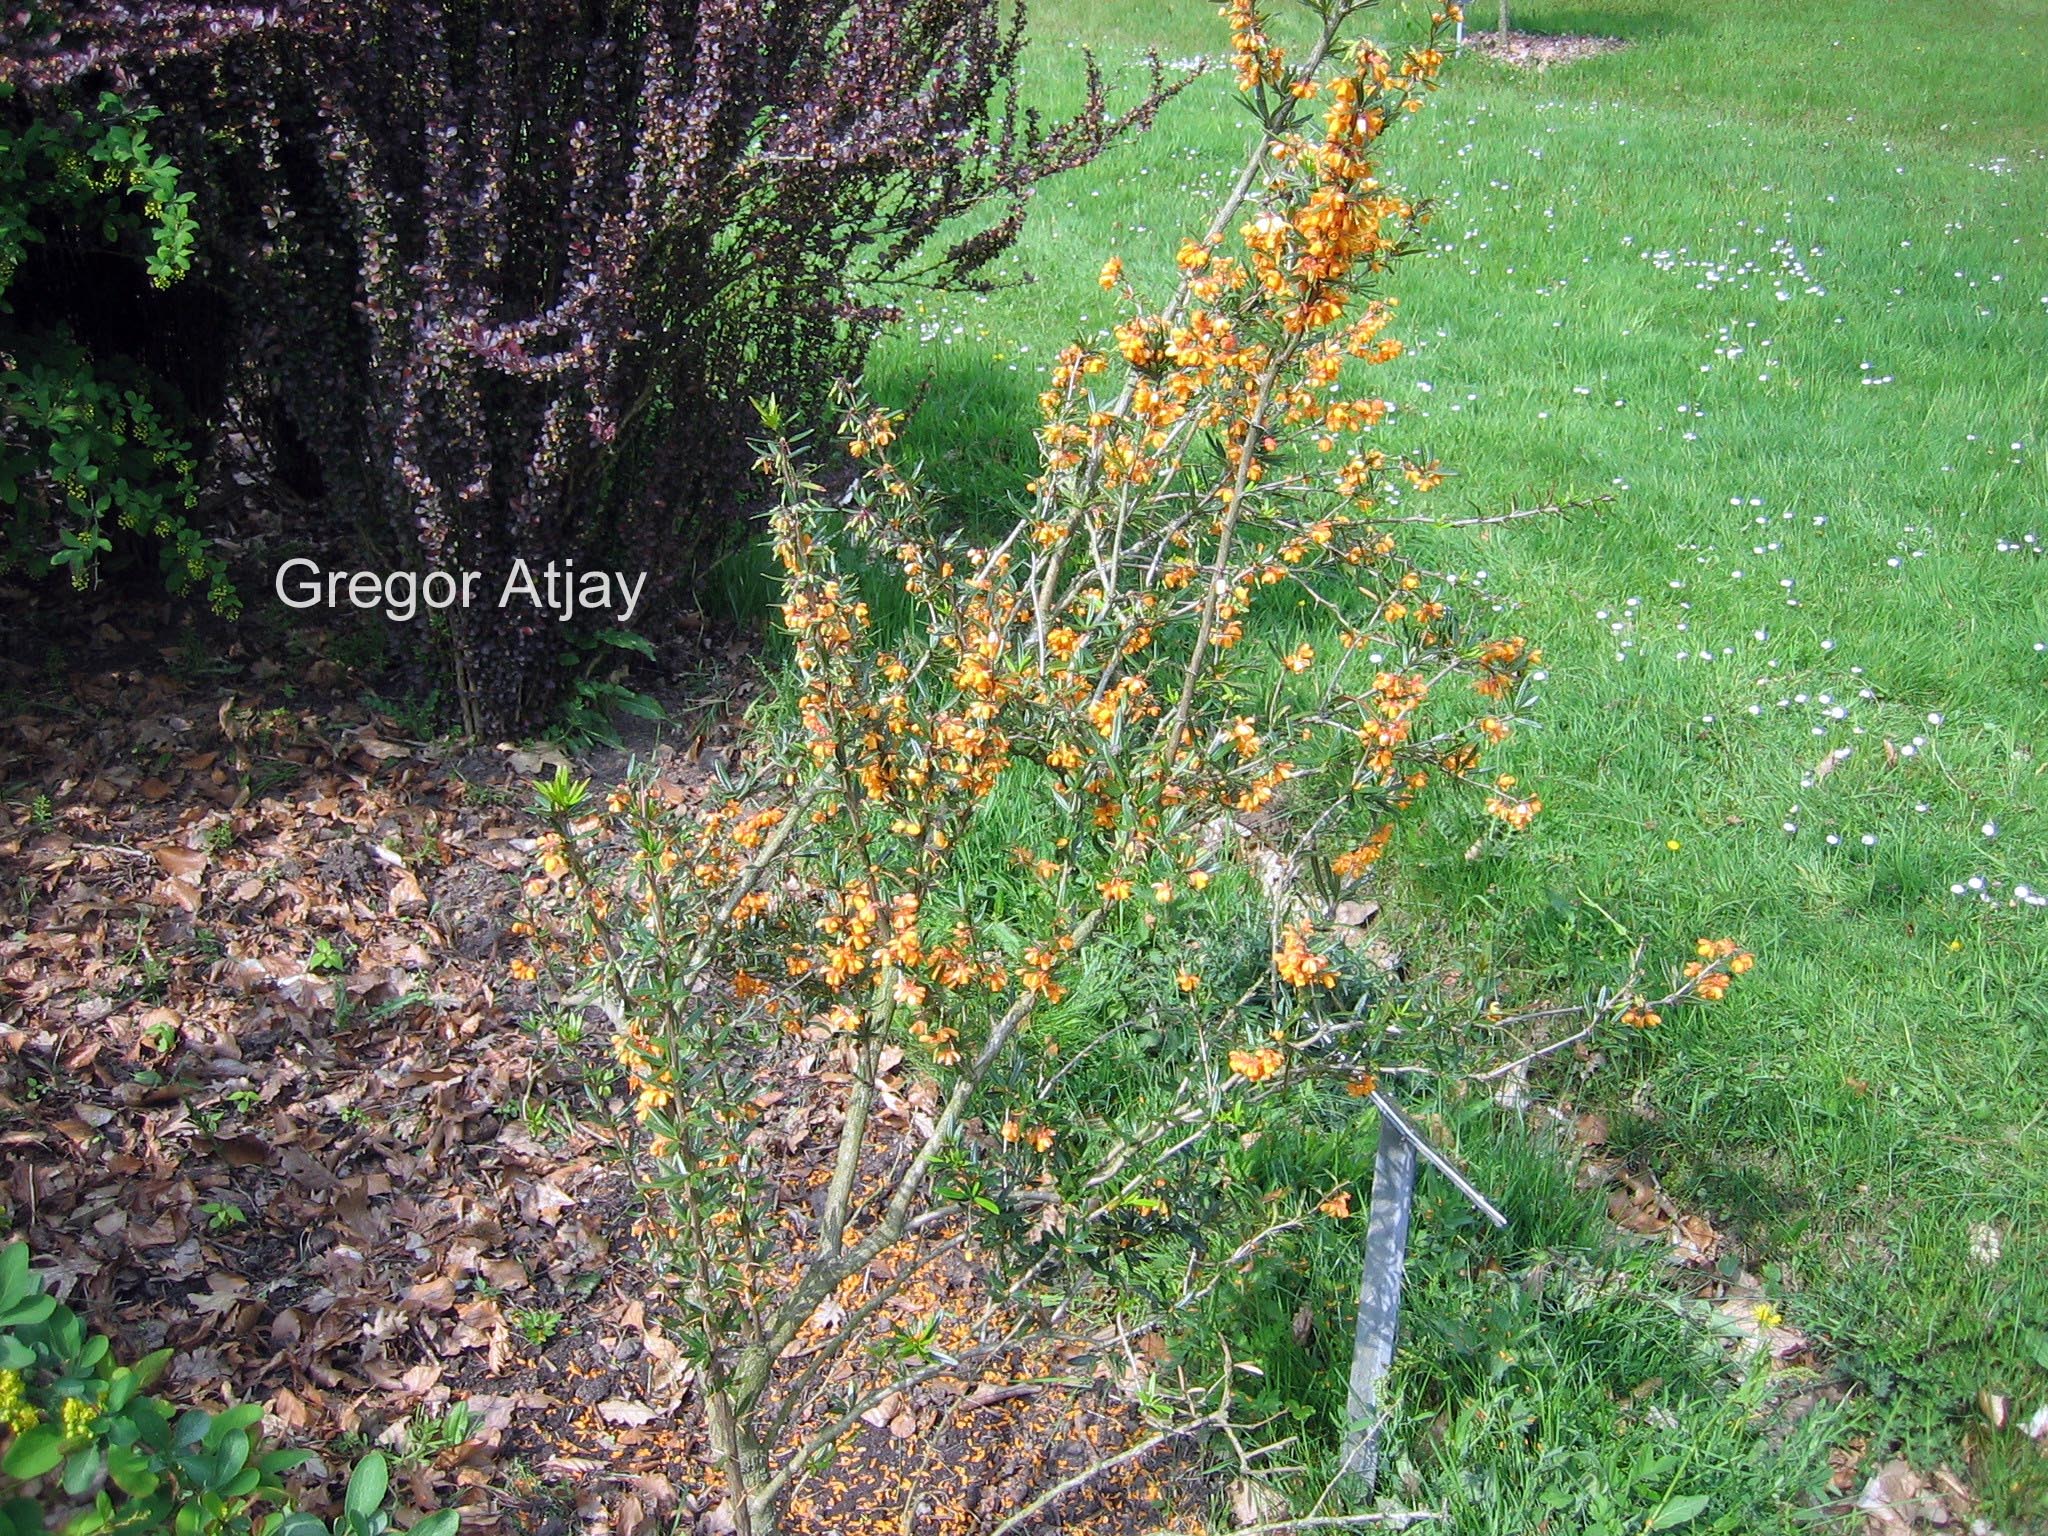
(734, 1450)
(1503, 21)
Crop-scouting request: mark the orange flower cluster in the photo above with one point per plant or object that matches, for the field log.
(1516, 810)
(1258, 1066)
(1354, 862)
(1298, 965)
(1719, 961)
(1256, 60)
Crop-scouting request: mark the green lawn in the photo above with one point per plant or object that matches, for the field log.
(1775, 278)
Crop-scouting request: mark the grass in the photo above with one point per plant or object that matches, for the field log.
(1775, 280)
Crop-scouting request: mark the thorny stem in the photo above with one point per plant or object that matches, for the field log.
(1096, 1468)
(1241, 189)
(1198, 656)
(1607, 1005)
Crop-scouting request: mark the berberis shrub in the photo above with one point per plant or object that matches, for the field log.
(1059, 769)
(511, 270)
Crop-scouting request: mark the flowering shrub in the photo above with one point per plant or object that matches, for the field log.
(1057, 771)
(87, 1449)
(513, 271)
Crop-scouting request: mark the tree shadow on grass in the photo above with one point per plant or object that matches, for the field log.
(1629, 23)
(971, 424)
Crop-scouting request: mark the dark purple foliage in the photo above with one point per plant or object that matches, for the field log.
(514, 269)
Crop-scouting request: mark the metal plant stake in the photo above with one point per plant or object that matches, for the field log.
(1386, 1262)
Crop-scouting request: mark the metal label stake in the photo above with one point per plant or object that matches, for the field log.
(1386, 1263)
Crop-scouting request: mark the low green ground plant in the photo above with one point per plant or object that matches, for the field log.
(90, 1448)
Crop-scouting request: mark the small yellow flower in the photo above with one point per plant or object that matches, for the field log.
(1673, 844)
(16, 1412)
(79, 1417)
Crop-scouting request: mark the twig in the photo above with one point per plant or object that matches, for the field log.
(1399, 1519)
(1538, 1054)
(1096, 1468)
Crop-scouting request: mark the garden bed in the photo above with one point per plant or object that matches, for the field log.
(269, 1096)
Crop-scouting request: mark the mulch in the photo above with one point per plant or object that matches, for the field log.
(270, 1095)
(1539, 50)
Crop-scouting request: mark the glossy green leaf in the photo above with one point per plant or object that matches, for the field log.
(33, 1453)
(131, 1472)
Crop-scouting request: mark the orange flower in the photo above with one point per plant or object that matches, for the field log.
(1516, 811)
(1338, 1205)
(1299, 965)
(1257, 1066)
(1037, 975)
